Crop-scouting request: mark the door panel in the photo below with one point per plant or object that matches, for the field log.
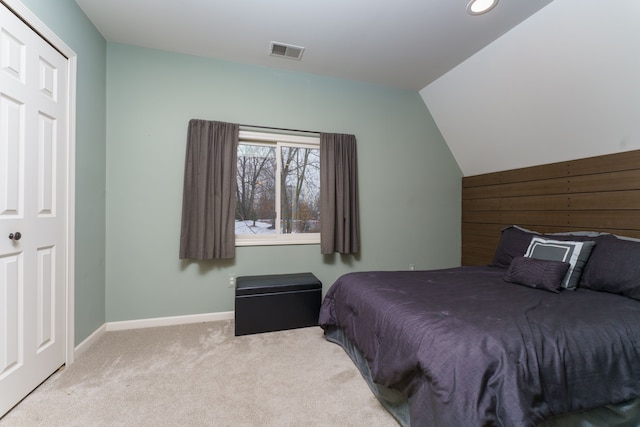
(46, 164)
(11, 317)
(46, 298)
(11, 147)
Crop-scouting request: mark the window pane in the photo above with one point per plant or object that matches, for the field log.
(256, 190)
(300, 190)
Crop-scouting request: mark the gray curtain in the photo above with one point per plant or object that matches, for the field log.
(208, 200)
(339, 210)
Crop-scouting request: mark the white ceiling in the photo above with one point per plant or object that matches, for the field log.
(400, 43)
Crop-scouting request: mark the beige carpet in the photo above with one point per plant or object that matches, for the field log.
(201, 375)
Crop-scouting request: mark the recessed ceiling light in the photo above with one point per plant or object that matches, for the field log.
(478, 7)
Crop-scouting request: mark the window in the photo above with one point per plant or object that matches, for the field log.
(277, 189)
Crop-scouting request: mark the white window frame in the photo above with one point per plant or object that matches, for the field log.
(277, 140)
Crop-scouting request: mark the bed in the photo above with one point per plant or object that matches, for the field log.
(480, 345)
(544, 331)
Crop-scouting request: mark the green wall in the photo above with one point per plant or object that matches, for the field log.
(69, 23)
(409, 181)
(133, 105)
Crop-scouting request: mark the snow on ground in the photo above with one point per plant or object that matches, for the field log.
(246, 227)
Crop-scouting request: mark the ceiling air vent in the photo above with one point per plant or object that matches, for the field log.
(286, 51)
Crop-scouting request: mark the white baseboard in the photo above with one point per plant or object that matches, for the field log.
(149, 323)
(169, 321)
(89, 341)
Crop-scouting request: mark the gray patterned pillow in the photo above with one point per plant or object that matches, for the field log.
(537, 273)
(575, 253)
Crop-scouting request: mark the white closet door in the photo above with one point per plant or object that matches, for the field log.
(33, 135)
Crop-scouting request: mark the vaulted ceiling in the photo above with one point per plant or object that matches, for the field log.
(401, 43)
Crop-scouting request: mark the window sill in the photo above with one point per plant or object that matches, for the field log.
(277, 242)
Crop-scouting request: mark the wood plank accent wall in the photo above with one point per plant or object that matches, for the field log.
(597, 193)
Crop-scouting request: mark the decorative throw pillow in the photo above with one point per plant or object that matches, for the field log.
(575, 253)
(537, 273)
(614, 267)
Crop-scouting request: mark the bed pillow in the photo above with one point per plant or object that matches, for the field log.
(614, 267)
(514, 242)
(537, 273)
(574, 252)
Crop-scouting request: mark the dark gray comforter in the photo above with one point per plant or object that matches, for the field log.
(469, 349)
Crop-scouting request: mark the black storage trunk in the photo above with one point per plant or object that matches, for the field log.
(276, 302)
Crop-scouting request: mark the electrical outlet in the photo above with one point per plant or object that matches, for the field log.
(232, 280)
(412, 267)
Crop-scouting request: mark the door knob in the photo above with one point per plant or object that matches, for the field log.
(15, 236)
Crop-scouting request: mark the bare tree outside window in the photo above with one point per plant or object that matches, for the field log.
(255, 185)
(300, 192)
(292, 169)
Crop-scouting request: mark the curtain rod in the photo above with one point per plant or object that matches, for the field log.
(284, 129)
